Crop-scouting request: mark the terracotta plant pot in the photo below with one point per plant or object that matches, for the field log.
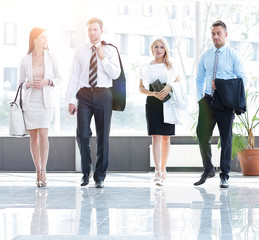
(249, 161)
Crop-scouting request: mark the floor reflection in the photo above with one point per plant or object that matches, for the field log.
(130, 207)
(206, 223)
(206, 214)
(94, 218)
(245, 211)
(161, 217)
(225, 215)
(40, 221)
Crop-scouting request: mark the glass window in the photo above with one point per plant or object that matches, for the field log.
(10, 33)
(190, 47)
(169, 40)
(256, 50)
(236, 18)
(123, 41)
(236, 45)
(253, 51)
(145, 42)
(68, 39)
(172, 11)
(147, 10)
(123, 10)
(186, 11)
(10, 79)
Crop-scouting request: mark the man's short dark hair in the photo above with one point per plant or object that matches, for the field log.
(95, 20)
(219, 23)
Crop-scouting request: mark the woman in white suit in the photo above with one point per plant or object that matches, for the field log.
(40, 75)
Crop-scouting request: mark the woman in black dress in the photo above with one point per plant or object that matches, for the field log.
(159, 68)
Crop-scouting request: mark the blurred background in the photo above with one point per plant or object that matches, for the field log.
(131, 25)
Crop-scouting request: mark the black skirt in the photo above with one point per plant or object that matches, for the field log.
(155, 118)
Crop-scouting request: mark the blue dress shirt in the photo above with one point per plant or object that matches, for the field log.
(229, 66)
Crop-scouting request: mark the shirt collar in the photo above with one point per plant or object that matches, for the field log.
(220, 49)
(97, 45)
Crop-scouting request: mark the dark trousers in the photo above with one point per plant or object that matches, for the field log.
(97, 103)
(208, 117)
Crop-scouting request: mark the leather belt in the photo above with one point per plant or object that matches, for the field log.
(95, 89)
(208, 96)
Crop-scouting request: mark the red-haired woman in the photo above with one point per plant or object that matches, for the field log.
(40, 73)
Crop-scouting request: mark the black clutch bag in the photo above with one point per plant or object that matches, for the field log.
(158, 86)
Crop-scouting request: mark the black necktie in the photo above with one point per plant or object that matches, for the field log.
(93, 68)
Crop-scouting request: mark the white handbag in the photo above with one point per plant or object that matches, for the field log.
(16, 121)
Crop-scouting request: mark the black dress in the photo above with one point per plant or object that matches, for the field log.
(155, 117)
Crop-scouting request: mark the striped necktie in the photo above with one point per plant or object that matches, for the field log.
(215, 67)
(93, 68)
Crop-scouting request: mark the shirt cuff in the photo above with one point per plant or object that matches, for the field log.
(72, 101)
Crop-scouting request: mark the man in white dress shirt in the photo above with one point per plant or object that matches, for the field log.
(93, 70)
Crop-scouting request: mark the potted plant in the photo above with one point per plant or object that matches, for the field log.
(243, 144)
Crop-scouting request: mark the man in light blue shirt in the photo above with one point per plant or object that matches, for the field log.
(220, 61)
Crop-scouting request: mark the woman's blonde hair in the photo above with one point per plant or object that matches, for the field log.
(167, 55)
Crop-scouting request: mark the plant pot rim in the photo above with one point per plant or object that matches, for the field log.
(249, 150)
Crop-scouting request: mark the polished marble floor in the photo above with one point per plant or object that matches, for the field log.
(129, 207)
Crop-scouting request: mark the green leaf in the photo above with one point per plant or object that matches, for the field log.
(239, 144)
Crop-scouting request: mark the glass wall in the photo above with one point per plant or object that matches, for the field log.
(132, 26)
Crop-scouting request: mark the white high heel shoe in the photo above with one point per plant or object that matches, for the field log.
(157, 176)
(163, 178)
(161, 181)
(43, 183)
(37, 179)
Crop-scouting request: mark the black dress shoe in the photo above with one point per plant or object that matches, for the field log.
(223, 183)
(99, 184)
(204, 177)
(84, 180)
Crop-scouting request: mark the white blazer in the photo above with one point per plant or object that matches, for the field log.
(173, 108)
(50, 72)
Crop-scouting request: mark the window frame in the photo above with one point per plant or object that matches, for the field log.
(7, 32)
